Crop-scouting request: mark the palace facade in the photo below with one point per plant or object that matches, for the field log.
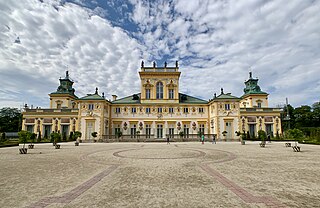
(157, 112)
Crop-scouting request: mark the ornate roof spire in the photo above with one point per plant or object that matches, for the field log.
(222, 91)
(67, 74)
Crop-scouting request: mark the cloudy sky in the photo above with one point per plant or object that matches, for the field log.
(102, 43)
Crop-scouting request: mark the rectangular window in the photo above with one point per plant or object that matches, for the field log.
(133, 131)
(29, 128)
(171, 94)
(159, 131)
(201, 129)
(147, 110)
(186, 110)
(200, 110)
(148, 130)
(118, 110)
(90, 106)
(147, 93)
(58, 105)
(133, 110)
(227, 106)
(159, 110)
(171, 132)
(185, 131)
(116, 130)
(170, 110)
(259, 105)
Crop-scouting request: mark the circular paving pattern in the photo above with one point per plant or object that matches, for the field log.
(159, 153)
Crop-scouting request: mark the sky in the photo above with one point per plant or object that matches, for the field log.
(102, 43)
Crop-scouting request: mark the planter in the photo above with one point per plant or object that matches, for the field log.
(23, 150)
(57, 146)
(243, 142)
(76, 143)
(30, 146)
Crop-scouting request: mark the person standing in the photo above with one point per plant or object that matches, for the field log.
(202, 139)
(168, 140)
(213, 139)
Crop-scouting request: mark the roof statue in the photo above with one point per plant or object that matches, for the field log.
(177, 64)
(142, 64)
(165, 64)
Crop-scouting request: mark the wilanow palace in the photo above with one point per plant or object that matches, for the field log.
(158, 111)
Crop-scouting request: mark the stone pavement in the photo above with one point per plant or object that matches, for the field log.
(160, 175)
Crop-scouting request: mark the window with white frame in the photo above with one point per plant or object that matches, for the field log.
(147, 110)
(185, 110)
(90, 106)
(171, 94)
(133, 110)
(147, 93)
(159, 91)
(171, 110)
(118, 110)
(159, 110)
(227, 106)
(201, 110)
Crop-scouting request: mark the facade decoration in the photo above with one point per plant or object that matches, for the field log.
(158, 111)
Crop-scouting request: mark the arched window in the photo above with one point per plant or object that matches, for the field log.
(159, 87)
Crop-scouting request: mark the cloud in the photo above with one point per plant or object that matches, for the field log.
(216, 42)
(55, 38)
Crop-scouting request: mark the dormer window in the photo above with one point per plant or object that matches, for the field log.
(159, 88)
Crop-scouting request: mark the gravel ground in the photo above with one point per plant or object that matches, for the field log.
(225, 174)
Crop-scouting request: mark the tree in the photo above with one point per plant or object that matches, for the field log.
(32, 137)
(262, 135)
(3, 137)
(295, 134)
(23, 137)
(316, 114)
(10, 119)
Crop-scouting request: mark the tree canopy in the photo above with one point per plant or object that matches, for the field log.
(10, 119)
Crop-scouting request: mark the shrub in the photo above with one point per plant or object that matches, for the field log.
(118, 134)
(71, 137)
(39, 137)
(23, 137)
(262, 135)
(181, 133)
(295, 134)
(33, 137)
(76, 135)
(3, 137)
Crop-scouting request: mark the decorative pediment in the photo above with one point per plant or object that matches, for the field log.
(171, 84)
(147, 84)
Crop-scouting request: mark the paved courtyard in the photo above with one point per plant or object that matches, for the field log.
(225, 174)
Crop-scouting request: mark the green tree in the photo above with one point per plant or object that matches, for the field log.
(303, 116)
(316, 114)
(262, 135)
(10, 120)
(295, 134)
(32, 137)
(77, 134)
(3, 137)
(23, 137)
